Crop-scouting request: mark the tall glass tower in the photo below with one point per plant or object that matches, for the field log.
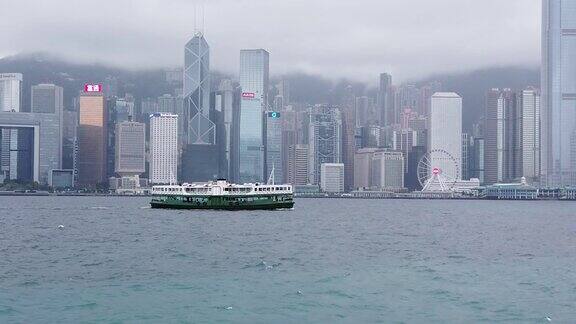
(558, 111)
(254, 69)
(201, 130)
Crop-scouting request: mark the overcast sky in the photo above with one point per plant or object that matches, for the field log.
(356, 39)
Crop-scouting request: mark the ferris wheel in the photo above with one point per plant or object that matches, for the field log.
(438, 170)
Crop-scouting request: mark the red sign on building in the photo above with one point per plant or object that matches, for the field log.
(92, 88)
(248, 95)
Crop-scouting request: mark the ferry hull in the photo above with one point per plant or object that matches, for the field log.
(223, 203)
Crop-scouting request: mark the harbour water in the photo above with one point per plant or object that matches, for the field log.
(329, 260)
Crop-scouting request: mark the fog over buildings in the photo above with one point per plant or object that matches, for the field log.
(354, 39)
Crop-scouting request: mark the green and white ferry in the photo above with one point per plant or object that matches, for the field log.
(223, 195)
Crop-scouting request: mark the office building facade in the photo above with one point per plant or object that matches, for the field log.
(273, 144)
(254, 80)
(445, 129)
(163, 148)
(324, 139)
(10, 101)
(332, 177)
(529, 104)
(200, 128)
(130, 149)
(92, 140)
(558, 93)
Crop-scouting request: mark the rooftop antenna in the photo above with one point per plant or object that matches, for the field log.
(203, 16)
(195, 16)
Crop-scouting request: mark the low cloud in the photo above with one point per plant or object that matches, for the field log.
(333, 38)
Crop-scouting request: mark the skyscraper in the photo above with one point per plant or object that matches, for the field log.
(227, 106)
(200, 155)
(348, 113)
(558, 112)
(163, 148)
(92, 139)
(130, 148)
(201, 130)
(254, 78)
(446, 132)
(501, 139)
(10, 101)
(529, 103)
(385, 100)
(324, 139)
(273, 144)
(298, 164)
(49, 99)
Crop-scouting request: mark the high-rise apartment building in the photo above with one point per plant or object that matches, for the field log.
(254, 79)
(92, 139)
(446, 132)
(163, 148)
(130, 148)
(558, 111)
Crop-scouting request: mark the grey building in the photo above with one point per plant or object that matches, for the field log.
(324, 139)
(501, 142)
(10, 100)
(227, 109)
(273, 144)
(40, 145)
(130, 157)
(49, 99)
(254, 81)
(529, 105)
(385, 100)
(297, 165)
(201, 129)
(558, 111)
(387, 170)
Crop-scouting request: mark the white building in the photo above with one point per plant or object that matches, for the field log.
(332, 177)
(10, 101)
(446, 133)
(163, 148)
(529, 103)
(10, 91)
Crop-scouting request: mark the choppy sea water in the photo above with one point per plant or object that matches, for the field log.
(328, 260)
